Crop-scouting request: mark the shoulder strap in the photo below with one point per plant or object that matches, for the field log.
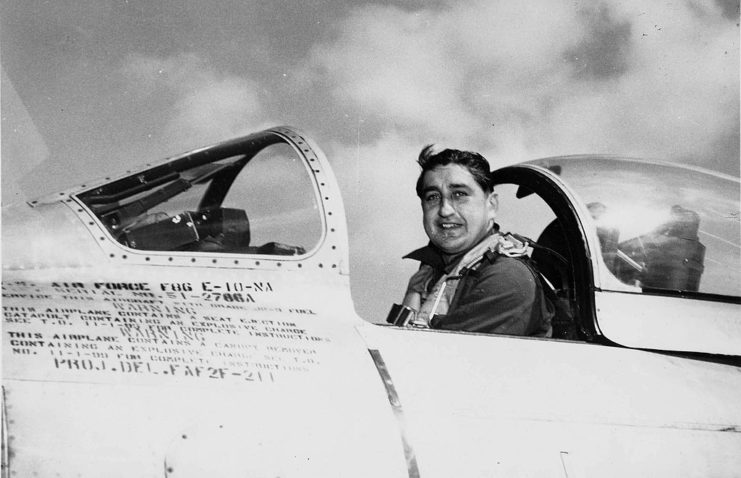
(561, 259)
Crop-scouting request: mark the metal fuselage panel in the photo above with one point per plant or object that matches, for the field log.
(515, 406)
(127, 369)
(116, 372)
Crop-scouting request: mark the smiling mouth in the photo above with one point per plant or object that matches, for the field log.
(449, 226)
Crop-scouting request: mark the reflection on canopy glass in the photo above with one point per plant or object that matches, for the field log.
(661, 226)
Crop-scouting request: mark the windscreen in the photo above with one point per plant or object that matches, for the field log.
(260, 201)
(660, 227)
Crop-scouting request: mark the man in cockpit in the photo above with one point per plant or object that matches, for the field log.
(471, 278)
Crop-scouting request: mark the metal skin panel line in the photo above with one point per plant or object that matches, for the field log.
(411, 459)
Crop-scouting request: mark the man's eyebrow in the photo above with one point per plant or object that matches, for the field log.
(450, 186)
(459, 186)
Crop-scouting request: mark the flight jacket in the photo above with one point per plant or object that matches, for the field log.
(497, 295)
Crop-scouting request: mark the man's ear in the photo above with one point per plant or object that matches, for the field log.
(493, 201)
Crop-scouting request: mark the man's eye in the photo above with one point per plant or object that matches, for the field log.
(432, 198)
(460, 194)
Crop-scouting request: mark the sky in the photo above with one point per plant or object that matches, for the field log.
(91, 87)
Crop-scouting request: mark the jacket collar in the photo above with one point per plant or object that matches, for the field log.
(435, 258)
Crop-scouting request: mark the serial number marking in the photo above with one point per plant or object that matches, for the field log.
(226, 297)
(173, 370)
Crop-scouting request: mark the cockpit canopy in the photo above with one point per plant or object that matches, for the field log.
(660, 227)
(646, 254)
(256, 197)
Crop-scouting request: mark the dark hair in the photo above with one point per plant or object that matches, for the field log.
(476, 164)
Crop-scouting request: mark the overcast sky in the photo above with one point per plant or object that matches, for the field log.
(94, 86)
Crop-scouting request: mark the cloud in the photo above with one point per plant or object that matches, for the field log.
(205, 105)
(522, 79)
(389, 62)
(676, 98)
(603, 52)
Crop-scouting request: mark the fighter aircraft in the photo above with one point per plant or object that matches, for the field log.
(193, 318)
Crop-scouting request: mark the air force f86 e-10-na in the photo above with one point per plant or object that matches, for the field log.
(194, 318)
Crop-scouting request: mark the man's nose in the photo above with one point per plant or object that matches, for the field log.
(446, 208)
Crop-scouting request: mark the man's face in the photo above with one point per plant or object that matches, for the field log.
(456, 212)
